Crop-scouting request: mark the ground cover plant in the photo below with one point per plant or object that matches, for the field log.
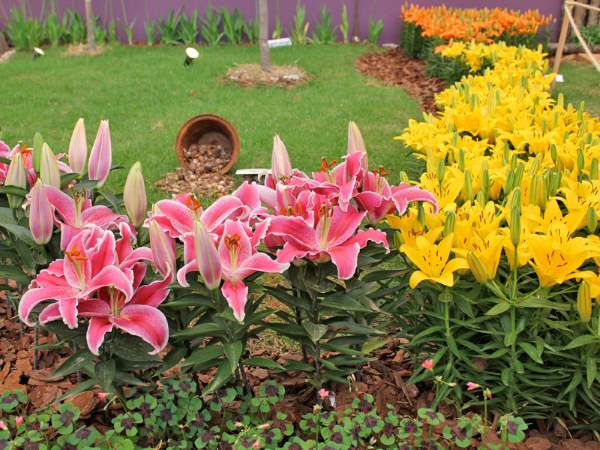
(506, 274)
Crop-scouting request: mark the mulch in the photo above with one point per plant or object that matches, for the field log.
(395, 68)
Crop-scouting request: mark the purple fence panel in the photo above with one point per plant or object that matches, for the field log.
(387, 10)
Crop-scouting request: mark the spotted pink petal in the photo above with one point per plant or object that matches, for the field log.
(97, 329)
(35, 296)
(345, 258)
(226, 207)
(362, 237)
(94, 308)
(63, 204)
(100, 215)
(174, 217)
(249, 195)
(343, 225)
(110, 276)
(104, 254)
(237, 295)
(146, 322)
(294, 228)
(260, 262)
(49, 314)
(192, 266)
(290, 251)
(68, 311)
(152, 294)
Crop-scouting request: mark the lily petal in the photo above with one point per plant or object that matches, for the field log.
(94, 336)
(145, 322)
(237, 296)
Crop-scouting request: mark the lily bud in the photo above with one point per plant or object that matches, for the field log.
(485, 182)
(449, 223)
(41, 219)
(580, 160)
(468, 187)
(101, 155)
(554, 153)
(461, 159)
(355, 139)
(16, 176)
(515, 218)
(592, 220)
(36, 154)
(594, 169)
(441, 170)
(78, 148)
(163, 249)
(207, 257)
(49, 172)
(421, 214)
(281, 167)
(477, 268)
(584, 302)
(134, 195)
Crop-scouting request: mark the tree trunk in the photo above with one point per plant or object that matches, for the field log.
(89, 22)
(356, 21)
(594, 16)
(3, 44)
(263, 23)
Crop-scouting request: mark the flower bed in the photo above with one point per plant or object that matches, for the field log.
(426, 28)
(506, 274)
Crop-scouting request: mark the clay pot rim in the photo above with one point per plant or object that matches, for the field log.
(232, 134)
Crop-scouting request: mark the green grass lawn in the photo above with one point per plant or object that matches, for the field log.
(582, 83)
(146, 93)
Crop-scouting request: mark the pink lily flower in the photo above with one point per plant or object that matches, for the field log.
(178, 216)
(335, 237)
(378, 198)
(41, 217)
(239, 259)
(342, 181)
(76, 214)
(101, 155)
(138, 315)
(89, 265)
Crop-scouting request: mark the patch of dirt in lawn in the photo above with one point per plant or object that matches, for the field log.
(394, 68)
(4, 57)
(249, 75)
(82, 50)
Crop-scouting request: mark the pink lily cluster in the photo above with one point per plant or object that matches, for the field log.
(101, 275)
(292, 215)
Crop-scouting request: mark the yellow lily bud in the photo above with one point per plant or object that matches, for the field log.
(541, 191)
(485, 182)
(580, 160)
(584, 302)
(468, 187)
(449, 223)
(592, 220)
(441, 169)
(421, 214)
(594, 169)
(515, 217)
(477, 268)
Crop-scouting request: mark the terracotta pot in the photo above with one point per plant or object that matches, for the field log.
(208, 129)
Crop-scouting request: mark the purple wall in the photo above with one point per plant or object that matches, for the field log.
(388, 10)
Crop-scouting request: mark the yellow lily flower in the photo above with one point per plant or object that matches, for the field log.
(433, 261)
(557, 257)
(487, 250)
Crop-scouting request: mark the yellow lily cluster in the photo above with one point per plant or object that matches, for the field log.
(515, 173)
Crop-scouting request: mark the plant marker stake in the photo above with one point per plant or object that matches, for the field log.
(37, 53)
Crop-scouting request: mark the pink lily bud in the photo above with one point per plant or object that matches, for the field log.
(207, 258)
(163, 249)
(281, 167)
(134, 195)
(355, 139)
(41, 218)
(19, 421)
(101, 155)
(16, 176)
(49, 171)
(78, 148)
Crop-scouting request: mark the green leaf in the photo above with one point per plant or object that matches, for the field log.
(575, 381)
(19, 232)
(580, 341)
(173, 357)
(132, 348)
(13, 190)
(374, 344)
(498, 309)
(73, 363)
(257, 361)
(221, 377)
(532, 351)
(534, 302)
(105, 374)
(343, 302)
(315, 331)
(204, 329)
(233, 351)
(292, 365)
(591, 370)
(81, 387)
(203, 355)
(14, 273)
(65, 179)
